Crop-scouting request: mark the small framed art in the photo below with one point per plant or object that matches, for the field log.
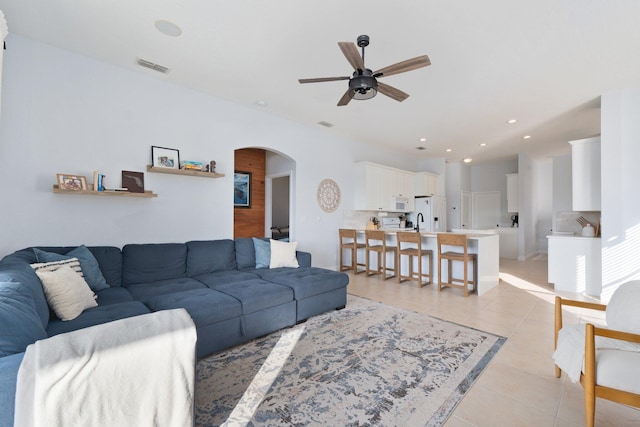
(72, 182)
(162, 157)
(242, 189)
(133, 181)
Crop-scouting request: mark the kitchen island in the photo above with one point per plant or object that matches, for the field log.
(485, 246)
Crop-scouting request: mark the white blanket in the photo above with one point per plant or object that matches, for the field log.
(137, 372)
(569, 354)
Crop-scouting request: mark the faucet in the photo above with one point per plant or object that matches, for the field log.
(418, 218)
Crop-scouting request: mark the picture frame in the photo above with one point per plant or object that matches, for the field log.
(241, 189)
(70, 182)
(133, 181)
(162, 157)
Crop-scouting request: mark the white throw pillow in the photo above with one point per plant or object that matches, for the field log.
(67, 293)
(283, 254)
(622, 309)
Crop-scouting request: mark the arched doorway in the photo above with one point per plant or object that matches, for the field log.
(270, 204)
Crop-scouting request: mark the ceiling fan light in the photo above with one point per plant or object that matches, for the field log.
(363, 87)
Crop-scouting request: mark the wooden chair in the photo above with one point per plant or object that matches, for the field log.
(462, 255)
(349, 241)
(413, 251)
(376, 242)
(616, 369)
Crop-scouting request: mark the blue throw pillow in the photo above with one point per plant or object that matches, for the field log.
(19, 323)
(88, 263)
(263, 252)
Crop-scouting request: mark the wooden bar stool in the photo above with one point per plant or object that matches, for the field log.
(348, 240)
(414, 251)
(375, 241)
(460, 241)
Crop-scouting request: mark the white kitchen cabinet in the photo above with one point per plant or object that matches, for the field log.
(575, 264)
(512, 192)
(585, 174)
(375, 186)
(426, 184)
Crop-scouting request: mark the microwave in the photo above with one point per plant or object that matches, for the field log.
(399, 203)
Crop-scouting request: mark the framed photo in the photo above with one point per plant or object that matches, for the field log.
(162, 157)
(72, 182)
(242, 189)
(133, 181)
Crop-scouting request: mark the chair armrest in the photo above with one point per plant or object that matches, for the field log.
(560, 302)
(557, 324)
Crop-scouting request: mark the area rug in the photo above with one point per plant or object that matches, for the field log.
(368, 364)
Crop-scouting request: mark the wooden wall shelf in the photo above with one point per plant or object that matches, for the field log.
(146, 194)
(184, 172)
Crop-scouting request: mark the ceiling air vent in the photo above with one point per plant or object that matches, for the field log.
(153, 66)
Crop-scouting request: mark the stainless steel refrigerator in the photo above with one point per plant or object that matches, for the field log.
(434, 213)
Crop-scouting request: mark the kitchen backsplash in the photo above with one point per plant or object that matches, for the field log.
(359, 219)
(568, 221)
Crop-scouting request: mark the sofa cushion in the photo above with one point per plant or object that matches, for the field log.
(97, 316)
(113, 295)
(257, 294)
(67, 292)
(205, 306)
(143, 263)
(15, 270)
(90, 267)
(229, 276)
(306, 282)
(144, 291)
(210, 256)
(245, 253)
(19, 322)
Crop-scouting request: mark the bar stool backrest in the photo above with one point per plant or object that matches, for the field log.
(452, 239)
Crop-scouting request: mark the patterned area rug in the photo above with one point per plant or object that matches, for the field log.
(368, 364)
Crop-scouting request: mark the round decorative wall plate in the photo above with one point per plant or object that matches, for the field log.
(328, 195)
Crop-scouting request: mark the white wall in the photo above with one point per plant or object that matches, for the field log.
(543, 175)
(493, 177)
(67, 113)
(620, 176)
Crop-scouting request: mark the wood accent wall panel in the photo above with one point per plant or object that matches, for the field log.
(249, 222)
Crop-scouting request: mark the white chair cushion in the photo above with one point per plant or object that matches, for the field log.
(618, 369)
(622, 310)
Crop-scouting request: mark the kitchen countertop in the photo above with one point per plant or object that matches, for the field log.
(570, 236)
(429, 233)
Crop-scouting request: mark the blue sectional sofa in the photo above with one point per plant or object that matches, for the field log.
(217, 282)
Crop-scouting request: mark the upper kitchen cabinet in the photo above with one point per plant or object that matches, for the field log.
(512, 192)
(585, 174)
(377, 185)
(426, 184)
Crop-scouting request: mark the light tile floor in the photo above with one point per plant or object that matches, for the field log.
(518, 387)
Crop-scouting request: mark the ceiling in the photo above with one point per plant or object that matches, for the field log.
(544, 63)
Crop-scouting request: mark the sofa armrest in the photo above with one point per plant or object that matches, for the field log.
(304, 258)
(9, 366)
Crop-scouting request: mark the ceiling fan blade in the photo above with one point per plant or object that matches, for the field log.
(401, 67)
(345, 99)
(350, 52)
(392, 92)
(323, 79)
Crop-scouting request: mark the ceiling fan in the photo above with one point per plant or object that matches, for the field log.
(364, 84)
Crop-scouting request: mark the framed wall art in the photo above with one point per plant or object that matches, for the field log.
(72, 182)
(242, 189)
(162, 157)
(133, 181)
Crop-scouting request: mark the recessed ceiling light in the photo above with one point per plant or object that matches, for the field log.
(511, 121)
(484, 144)
(526, 137)
(261, 103)
(449, 150)
(423, 139)
(420, 148)
(468, 160)
(168, 28)
(325, 124)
